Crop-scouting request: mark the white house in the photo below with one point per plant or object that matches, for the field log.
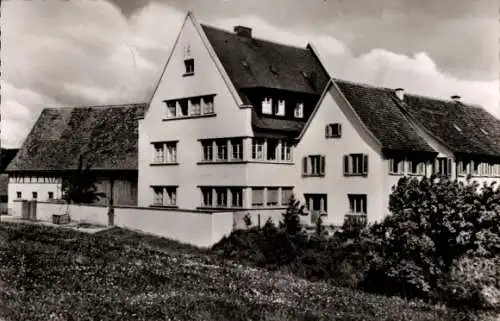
(239, 123)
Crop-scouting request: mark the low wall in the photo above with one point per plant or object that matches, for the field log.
(198, 228)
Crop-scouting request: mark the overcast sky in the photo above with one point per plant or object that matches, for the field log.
(76, 53)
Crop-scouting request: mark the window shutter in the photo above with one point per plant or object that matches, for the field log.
(322, 165)
(304, 165)
(449, 167)
(339, 126)
(346, 164)
(327, 127)
(365, 164)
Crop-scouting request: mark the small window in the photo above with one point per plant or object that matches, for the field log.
(35, 195)
(258, 149)
(442, 166)
(157, 196)
(183, 107)
(221, 197)
(171, 109)
(51, 195)
(164, 196)
(299, 110)
(267, 106)
(333, 131)
(236, 197)
(165, 153)
(189, 65)
(356, 165)
(280, 108)
(171, 196)
(272, 148)
(159, 156)
(313, 165)
(206, 193)
(357, 203)
(236, 149)
(208, 153)
(397, 166)
(272, 196)
(19, 195)
(286, 151)
(196, 106)
(221, 150)
(286, 195)
(316, 202)
(208, 105)
(257, 196)
(416, 167)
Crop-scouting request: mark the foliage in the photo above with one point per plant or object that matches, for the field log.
(59, 274)
(433, 223)
(80, 186)
(291, 218)
(247, 219)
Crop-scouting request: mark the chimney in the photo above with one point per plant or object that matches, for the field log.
(400, 93)
(456, 98)
(242, 31)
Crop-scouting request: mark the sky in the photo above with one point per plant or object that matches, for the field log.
(57, 53)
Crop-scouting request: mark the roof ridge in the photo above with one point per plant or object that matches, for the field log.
(96, 106)
(257, 38)
(367, 85)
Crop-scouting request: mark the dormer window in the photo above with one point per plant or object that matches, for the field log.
(299, 110)
(333, 130)
(189, 65)
(267, 106)
(280, 110)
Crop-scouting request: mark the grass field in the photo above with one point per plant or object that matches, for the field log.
(50, 273)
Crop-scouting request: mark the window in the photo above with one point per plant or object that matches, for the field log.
(357, 203)
(164, 196)
(183, 107)
(442, 166)
(272, 196)
(208, 105)
(236, 197)
(35, 195)
(316, 202)
(19, 195)
(299, 110)
(313, 165)
(416, 167)
(356, 165)
(206, 193)
(286, 151)
(51, 195)
(207, 146)
(267, 106)
(165, 152)
(257, 196)
(189, 65)
(286, 195)
(236, 149)
(333, 130)
(196, 106)
(272, 148)
(221, 197)
(171, 109)
(280, 110)
(221, 150)
(462, 167)
(257, 148)
(397, 166)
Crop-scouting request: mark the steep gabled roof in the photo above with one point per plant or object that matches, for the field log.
(381, 114)
(252, 62)
(106, 137)
(464, 129)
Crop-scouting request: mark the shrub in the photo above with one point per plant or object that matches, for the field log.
(247, 219)
(473, 281)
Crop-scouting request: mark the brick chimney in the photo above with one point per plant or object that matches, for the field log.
(242, 31)
(400, 93)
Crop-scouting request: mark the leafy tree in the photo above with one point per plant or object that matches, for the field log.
(80, 186)
(291, 218)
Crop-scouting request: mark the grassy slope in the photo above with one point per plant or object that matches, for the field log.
(59, 274)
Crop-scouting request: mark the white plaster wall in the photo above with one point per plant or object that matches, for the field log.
(27, 190)
(355, 139)
(230, 121)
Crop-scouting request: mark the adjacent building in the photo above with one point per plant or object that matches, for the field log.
(6, 155)
(241, 123)
(104, 137)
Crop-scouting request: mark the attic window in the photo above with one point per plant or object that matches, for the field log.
(484, 131)
(299, 110)
(267, 106)
(333, 130)
(189, 65)
(457, 128)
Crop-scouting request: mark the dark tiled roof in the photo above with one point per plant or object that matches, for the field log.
(106, 137)
(465, 129)
(379, 111)
(286, 126)
(252, 62)
(6, 156)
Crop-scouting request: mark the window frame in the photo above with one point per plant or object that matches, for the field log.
(189, 66)
(333, 130)
(353, 200)
(349, 167)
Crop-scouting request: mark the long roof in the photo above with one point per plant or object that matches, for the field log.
(462, 128)
(6, 156)
(105, 136)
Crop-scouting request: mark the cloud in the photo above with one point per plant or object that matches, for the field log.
(74, 53)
